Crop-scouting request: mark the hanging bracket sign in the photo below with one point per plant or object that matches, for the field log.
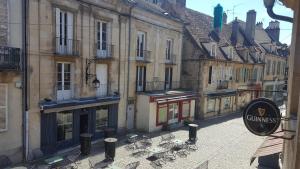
(262, 117)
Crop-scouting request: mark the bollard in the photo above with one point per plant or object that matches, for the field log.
(85, 143)
(110, 148)
(193, 132)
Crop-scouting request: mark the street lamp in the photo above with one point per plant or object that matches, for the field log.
(96, 83)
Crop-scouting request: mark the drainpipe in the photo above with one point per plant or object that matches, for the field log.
(128, 59)
(24, 82)
(119, 68)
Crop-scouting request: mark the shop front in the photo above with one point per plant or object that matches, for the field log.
(157, 110)
(62, 124)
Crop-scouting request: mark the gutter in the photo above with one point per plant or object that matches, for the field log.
(25, 143)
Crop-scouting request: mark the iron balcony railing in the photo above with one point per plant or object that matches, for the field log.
(157, 86)
(223, 84)
(67, 47)
(10, 58)
(104, 50)
(143, 55)
(171, 59)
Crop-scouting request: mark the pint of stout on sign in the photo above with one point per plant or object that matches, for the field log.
(262, 117)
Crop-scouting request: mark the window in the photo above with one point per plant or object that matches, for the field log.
(230, 53)
(4, 28)
(102, 39)
(162, 113)
(64, 32)
(168, 49)
(268, 67)
(213, 50)
(101, 118)
(64, 126)
(282, 68)
(211, 105)
(140, 78)
(168, 78)
(255, 74)
(185, 109)
(227, 101)
(3, 107)
(140, 44)
(273, 67)
(278, 68)
(210, 75)
(63, 81)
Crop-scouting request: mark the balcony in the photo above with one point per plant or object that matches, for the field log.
(143, 56)
(103, 51)
(67, 47)
(158, 86)
(223, 85)
(10, 58)
(171, 60)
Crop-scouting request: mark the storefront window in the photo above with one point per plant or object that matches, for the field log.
(185, 109)
(64, 126)
(211, 105)
(162, 113)
(227, 103)
(101, 118)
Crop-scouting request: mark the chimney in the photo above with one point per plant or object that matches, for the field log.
(234, 33)
(224, 18)
(181, 3)
(250, 25)
(273, 30)
(218, 18)
(260, 25)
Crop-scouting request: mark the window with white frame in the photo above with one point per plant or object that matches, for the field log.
(64, 31)
(169, 46)
(4, 26)
(3, 107)
(64, 81)
(213, 50)
(102, 38)
(141, 44)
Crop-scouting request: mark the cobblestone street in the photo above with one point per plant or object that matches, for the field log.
(224, 142)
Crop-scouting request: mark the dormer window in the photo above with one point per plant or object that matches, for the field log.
(213, 50)
(230, 53)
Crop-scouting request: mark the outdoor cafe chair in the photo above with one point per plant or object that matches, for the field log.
(147, 141)
(132, 165)
(166, 139)
(170, 156)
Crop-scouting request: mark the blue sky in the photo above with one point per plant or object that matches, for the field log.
(240, 10)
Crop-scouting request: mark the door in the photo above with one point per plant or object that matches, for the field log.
(168, 78)
(101, 73)
(141, 78)
(101, 34)
(84, 123)
(64, 32)
(130, 116)
(64, 81)
(173, 115)
(140, 45)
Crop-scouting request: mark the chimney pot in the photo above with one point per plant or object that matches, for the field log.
(250, 24)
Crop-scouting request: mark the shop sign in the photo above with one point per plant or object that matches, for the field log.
(262, 117)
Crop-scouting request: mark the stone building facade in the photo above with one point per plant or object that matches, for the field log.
(11, 79)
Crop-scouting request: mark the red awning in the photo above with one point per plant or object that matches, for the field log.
(271, 145)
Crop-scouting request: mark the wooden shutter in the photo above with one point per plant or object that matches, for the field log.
(3, 106)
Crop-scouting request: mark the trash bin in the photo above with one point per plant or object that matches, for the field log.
(85, 143)
(109, 132)
(110, 148)
(193, 132)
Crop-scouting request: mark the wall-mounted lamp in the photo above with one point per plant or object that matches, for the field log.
(88, 75)
(269, 4)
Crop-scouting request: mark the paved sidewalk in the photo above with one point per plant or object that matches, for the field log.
(224, 142)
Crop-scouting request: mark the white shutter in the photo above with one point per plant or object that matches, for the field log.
(70, 32)
(3, 107)
(58, 33)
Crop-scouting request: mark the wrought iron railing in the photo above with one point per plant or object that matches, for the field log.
(157, 86)
(171, 59)
(10, 58)
(143, 55)
(67, 47)
(103, 50)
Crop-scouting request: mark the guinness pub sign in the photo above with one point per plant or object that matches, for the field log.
(262, 117)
